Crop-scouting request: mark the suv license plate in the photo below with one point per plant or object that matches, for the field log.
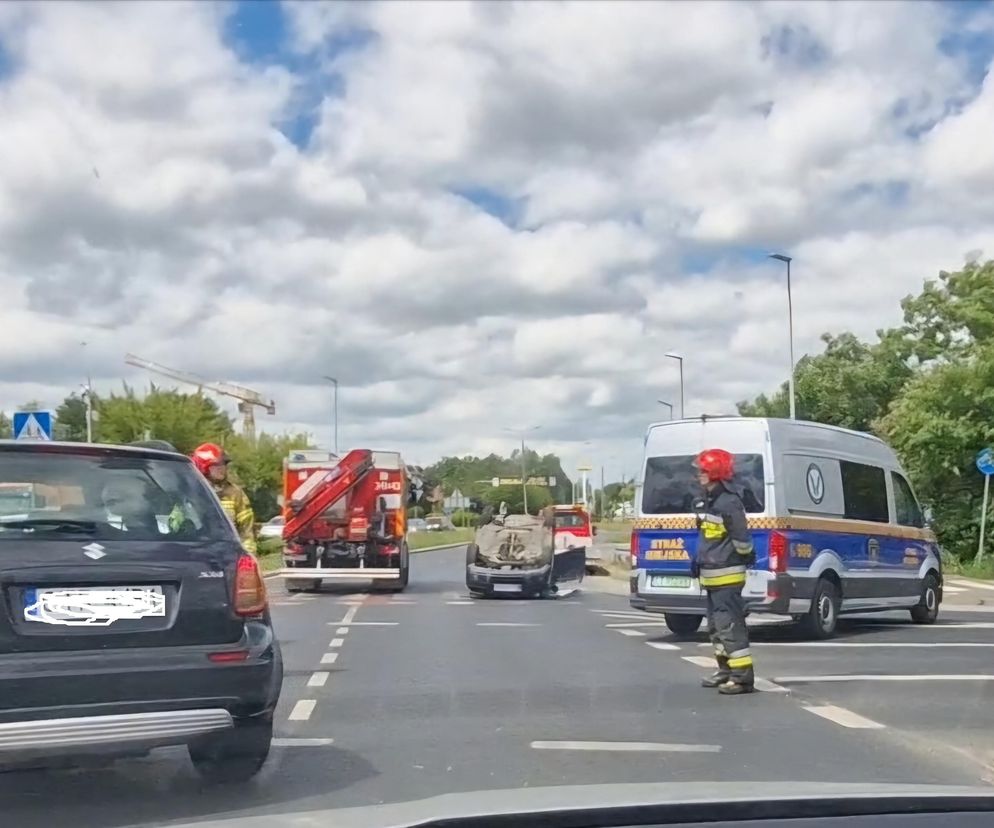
(678, 581)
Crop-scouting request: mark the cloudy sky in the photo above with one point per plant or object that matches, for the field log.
(478, 216)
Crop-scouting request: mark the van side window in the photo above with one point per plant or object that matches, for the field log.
(908, 511)
(864, 490)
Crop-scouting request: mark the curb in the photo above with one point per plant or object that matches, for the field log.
(269, 575)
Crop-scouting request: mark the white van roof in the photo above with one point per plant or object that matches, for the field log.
(740, 434)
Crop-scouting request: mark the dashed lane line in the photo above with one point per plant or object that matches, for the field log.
(632, 633)
(637, 624)
(286, 742)
(364, 623)
(843, 717)
(349, 615)
(662, 645)
(767, 686)
(459, 603)
(969, 584)
(341, 631)
(700, 661)
(336, 642)
(329, 658)
(318, 679)
(883, 677)
(635, 747)
(302, 710)
(506, 624)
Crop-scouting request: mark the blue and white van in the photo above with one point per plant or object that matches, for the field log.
(835, 522)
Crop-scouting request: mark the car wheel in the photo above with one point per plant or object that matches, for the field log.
(928, 607)
(823, 616)
(683, 624)
(235, 755)
(400, 584)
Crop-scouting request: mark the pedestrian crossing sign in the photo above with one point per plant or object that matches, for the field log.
(32, 425)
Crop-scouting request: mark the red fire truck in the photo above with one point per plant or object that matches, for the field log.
(345, 519)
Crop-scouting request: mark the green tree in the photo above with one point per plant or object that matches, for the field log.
(70, 419)
(258, 467)
(6, 428)
(851, 384)
(538, 498)
(185, 420)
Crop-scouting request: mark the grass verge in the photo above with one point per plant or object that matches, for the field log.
(421, 540)
(984, 571)
(614, 531)
(271, 558)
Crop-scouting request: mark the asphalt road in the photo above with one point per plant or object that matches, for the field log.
(389, 698)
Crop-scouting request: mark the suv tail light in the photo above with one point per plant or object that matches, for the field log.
(778, 552)
(633, 548)
(250, 589)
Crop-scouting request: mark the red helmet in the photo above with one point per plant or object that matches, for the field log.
(207, 455)
(717, 464)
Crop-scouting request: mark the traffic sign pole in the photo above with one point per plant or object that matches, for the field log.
(985, 465)
(983, 517)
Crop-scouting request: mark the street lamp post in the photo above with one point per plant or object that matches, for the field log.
(780, 257)
(668, 405)
(524, 478)
(334, 382)
(680, 360)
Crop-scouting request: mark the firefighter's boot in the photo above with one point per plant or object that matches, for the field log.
(720, 676)
(734, 688)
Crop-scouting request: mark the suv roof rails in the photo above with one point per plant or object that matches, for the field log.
(158, 445)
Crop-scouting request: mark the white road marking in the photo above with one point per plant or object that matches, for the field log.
(341, 631)
(637, 624)
(329, 658)
(318, 679)
(632, 633)
(662, 645)
(458, 603)
(844, 717)
(284, 742)
(701, 661)
(364, 623)
(951, 590)
(505, 624)
(637, 747)
(349, 615)
(909, 644)
(336, 642)
(884, 677)
(622, 614)
(302, 710)
(767, 686)
(970, 584)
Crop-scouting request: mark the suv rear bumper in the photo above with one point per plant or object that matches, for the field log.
(147, 696)
(120, 732)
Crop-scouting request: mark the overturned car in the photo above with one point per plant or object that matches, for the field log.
(515, 554)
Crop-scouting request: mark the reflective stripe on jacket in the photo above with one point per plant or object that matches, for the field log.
(724, 545)
(237, 506)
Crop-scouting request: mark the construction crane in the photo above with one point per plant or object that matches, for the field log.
(247, 398)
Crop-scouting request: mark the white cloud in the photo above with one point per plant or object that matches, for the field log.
(639, 155)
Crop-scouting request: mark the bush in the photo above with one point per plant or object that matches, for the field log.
(463, 518)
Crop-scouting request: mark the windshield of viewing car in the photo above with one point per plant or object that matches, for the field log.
(107, 497)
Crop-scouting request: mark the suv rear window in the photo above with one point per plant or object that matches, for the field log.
(105, 497)
(570, 519)
(671, 485)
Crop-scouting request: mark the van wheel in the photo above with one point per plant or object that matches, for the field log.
(928, 607)
(823, 617)
(683, 624)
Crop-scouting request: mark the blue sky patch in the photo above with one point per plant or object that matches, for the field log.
(796, 45)
(259, 33)
(490, 201)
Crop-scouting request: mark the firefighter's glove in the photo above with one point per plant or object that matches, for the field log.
(695, 568)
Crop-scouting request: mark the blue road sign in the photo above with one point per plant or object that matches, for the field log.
(32, 425)
(985, 461)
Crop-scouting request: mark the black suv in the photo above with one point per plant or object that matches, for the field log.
(130, 615)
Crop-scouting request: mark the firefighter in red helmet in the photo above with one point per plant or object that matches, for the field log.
(212, 461)
(724, 551)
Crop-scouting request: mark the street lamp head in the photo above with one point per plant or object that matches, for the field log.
(780, 257)
(674, 356)
(330, 379)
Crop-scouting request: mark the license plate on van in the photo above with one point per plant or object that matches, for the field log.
(677, 581)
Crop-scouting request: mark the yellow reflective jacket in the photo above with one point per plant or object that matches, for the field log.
(236, 505)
